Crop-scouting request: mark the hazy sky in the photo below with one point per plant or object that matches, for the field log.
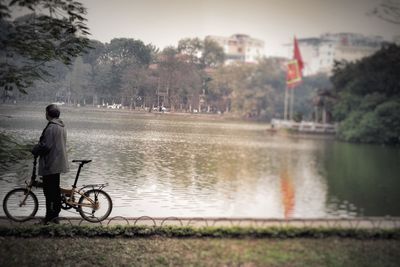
(165, 22)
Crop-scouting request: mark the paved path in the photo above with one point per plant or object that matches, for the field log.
(362, 222)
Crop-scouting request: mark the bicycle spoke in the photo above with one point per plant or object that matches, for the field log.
(95, 205)
(20, 205)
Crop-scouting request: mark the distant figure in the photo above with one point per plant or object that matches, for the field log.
(53, 160)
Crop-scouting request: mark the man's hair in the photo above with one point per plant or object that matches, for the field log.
(53, 111)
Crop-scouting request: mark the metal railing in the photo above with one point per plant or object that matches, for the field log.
(353, 223)
(304, 126)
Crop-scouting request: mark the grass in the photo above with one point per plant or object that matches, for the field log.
(165, 251)
(64, 245)
(185, 232)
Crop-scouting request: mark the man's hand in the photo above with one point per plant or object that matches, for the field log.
(35, 151)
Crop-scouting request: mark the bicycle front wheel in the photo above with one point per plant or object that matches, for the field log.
(95, 205)
(20, 205)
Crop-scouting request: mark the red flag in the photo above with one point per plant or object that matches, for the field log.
(295, 67)
(297, 55)
(293, 77)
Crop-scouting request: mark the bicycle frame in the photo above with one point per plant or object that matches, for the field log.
(71, 192)
(71, 201)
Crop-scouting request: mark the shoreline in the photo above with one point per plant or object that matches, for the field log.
(356, 223)
(211, 116)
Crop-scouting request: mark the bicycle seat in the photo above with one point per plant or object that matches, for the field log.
(83, 161)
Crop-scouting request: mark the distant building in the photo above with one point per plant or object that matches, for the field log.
(240, 48)
(320, 53)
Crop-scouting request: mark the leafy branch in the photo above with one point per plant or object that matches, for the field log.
(13, 150)
(53, 31)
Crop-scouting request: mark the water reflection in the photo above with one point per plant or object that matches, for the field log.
(182, 166)
(288, 194)
(364, 179)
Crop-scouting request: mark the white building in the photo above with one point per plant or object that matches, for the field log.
(240, 48)
(319, 54)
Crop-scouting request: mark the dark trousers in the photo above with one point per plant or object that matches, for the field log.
(51, 190)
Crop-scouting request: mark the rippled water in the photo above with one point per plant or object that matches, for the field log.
(175, 165)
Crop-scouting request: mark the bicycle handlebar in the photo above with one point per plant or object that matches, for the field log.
(83, 161)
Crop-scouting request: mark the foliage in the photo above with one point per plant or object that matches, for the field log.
(205, 53)
(215, 232)
(381, 124)
(133, 79)
(190, 77)
(101, 75)
(126, 51)
(213, 54)
(314, 91)
(52, 31)
(369, 98)
(13, 150)
(248, 90)
(191, 48)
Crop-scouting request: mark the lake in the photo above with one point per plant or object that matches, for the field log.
(203, 166)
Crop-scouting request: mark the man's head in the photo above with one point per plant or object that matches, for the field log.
(52, 112)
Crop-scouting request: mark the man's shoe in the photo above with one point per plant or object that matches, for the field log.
(48, 221)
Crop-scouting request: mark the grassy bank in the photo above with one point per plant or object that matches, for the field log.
(200, 232)
(64, 245)
(163, 251)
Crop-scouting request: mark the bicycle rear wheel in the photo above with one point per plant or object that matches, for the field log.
(20, 205)
(95, 206)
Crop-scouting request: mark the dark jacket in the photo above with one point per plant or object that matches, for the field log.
(52, 149)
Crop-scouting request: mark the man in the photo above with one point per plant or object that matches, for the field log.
(53, 161)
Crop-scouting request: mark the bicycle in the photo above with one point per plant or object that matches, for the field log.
(94, 205)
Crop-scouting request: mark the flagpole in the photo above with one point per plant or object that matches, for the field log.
(293, 78)
(285, 101)
(291, 104)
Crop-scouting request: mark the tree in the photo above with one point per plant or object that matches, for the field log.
(126, 51)
(220, 89)
(313, 96)
(133, 80)
(207, 53)
(79, 79)
(258, 93)
(93, 55)
(192, 48)
(178, 79)
(254, 91)
(118, 57)
(213, 54)
(103, 83)
(369, 94)
(92, 58)
(51, 31)
(376, 73)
